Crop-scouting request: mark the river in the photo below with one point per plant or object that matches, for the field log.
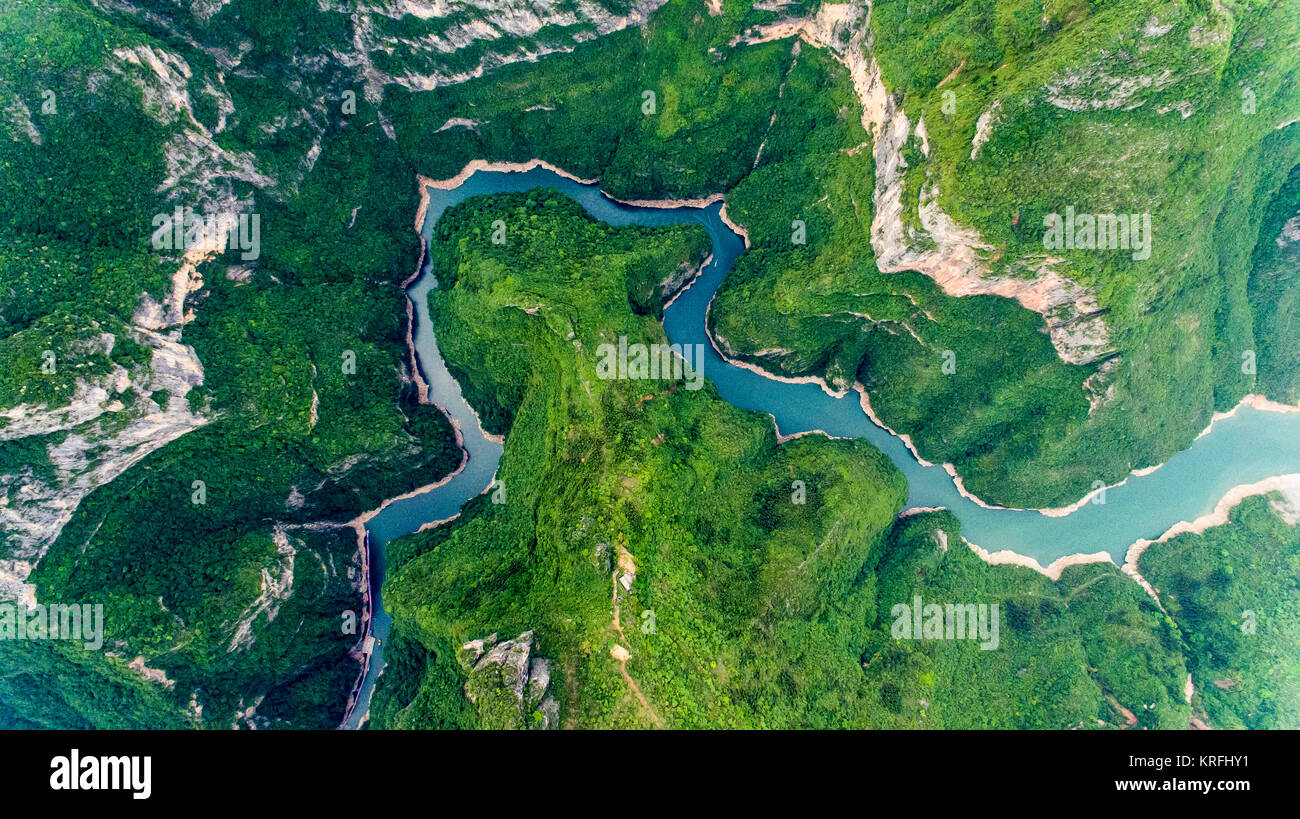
(1247, 447)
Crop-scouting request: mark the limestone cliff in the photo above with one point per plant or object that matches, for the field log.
(509, 683)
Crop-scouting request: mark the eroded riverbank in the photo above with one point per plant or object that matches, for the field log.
(1254, 442)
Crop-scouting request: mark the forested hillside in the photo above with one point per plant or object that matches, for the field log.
(911, 158)
(1233, 592)
(660, 545)
(185, 433)
(205, 425)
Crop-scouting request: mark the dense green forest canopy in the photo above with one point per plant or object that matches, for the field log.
(766, 612)
(1199, 148)
(768, 608)
(305, 413)
(1233, 592)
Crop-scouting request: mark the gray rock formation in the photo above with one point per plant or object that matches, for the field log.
(110, 424)
(508, 683)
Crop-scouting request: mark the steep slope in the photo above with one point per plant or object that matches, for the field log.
(178, 423)
(902, 216)
(1232, 590)
(675, 567)
(184, 435)
(653, 538)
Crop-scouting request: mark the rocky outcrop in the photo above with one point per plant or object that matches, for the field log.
(933, 244)
(418, 44)
(1093, 88)
(110, 424)
(200, 173)
(1155, 73)
(277, 586)
(90, 397)
(508, 683)
(984, 128)
(956, 257)
(116, 418)
(20, 116)
(501, 31)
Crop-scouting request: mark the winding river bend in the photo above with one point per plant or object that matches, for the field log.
(1245, 448)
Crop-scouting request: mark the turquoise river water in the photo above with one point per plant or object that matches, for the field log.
(1245, 448)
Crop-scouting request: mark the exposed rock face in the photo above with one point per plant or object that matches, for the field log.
(99, 434)
(89, 400)
(13, 582)
(1290, 233)
(954, 256)
(248, 718)
(157, 675)
(115, 420)
(1092, 88)
(419, 44)
(941, 538)
(21, 117)
(90, 442)
(1155, 73)
(199, 172)
(841, 28)
(1287, 505)
(514, 31)
(984, 128)
(277, 586)
(508, 683)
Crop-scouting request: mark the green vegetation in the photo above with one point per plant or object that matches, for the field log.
(60, 685)
(1066, 649)
(70, 263)
(1014, 419)
(827, 310)
(1166, 108)
(824, 301)
(611, 478)
(765, 612)
(1233, 592)
(1023, 427)
(1273, 294)
(683, 116)
(236, 587)
(301, 377)
(422, 687)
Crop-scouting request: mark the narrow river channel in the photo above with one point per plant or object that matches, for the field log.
(1245, 448)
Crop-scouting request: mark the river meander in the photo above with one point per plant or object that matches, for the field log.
(1247, 447)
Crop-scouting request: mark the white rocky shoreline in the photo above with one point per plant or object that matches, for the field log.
(1001, 557)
